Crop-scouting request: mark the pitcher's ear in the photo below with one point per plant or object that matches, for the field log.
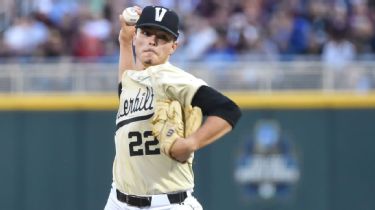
(174, 46)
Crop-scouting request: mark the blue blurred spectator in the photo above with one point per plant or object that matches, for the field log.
(221, 51)
(199, 37)
(25, 37)
(338, 51)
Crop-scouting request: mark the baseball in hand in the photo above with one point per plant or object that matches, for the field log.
(130, 16)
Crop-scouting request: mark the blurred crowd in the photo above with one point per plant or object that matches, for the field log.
(210, 29)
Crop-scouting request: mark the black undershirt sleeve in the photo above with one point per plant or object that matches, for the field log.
(119, 89)
(213, 103)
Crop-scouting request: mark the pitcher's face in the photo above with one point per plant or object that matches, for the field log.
(153, 46)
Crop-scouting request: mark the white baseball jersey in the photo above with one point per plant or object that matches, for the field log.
(139, 167)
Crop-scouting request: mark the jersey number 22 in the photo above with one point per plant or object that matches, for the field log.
(149, 141)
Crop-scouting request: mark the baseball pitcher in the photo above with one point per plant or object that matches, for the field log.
(159, 120)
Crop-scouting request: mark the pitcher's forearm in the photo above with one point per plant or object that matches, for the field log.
(212, 129)
(126, 60)
(125, 38)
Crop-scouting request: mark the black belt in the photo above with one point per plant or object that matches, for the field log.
(143, 201)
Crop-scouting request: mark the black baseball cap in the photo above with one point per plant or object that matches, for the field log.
(160, 17)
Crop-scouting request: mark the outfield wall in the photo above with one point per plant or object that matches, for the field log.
(56, 153)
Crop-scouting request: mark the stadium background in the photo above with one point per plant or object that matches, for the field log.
(302, 72)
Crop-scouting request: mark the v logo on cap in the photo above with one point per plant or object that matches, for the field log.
(159, 14)
(160, 17)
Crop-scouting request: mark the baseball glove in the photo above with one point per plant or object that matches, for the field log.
(171, 122)
(193, 119)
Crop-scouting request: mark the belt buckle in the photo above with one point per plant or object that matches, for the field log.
(144, 201)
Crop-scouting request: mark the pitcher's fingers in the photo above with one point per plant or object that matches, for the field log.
(138, 9)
